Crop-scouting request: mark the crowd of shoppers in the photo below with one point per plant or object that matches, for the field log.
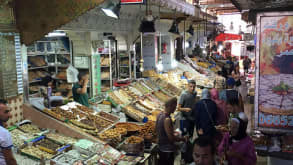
(201, 115)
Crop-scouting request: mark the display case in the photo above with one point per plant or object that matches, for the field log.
(106, 51)
(124, 64)
(48, 57)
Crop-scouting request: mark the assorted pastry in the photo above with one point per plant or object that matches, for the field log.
(29, 128)
(134, 140)
(36, 152)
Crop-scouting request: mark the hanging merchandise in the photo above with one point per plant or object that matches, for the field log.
(71, 74)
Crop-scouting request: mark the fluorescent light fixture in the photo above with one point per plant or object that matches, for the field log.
(160, 66)
(187, 45)
(174, 64)
(56, 34)
(112, 10)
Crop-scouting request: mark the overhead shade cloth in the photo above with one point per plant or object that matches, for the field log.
(227, 36)
(179, 5)
(36, 18)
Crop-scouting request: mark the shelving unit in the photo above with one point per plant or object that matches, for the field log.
(47, 57)
(124, 64)
(105, 50)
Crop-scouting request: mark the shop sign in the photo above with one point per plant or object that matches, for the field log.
(124, 2)
(274, 73)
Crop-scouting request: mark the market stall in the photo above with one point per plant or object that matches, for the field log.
(141, 101)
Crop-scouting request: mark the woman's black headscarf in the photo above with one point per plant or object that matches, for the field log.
(241, 130)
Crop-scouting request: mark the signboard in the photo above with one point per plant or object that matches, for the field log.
(149, 50)
(274, 79)
(124, 2)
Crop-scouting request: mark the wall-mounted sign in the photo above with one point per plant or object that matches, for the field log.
(274, 88)
(124, 2)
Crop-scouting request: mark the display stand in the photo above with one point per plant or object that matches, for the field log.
(47, 55)
(44, 121)
(124, 65)
(106, 49)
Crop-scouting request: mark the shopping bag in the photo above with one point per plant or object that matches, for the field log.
(186, 152)
(71, 73)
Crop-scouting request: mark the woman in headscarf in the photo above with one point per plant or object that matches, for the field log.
(237, 147)
(222, 115)
(205, 111)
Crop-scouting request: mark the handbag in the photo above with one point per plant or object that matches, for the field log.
(237, 83)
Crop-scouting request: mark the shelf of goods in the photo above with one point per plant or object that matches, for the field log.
(48, 57)
(83, 118)
(144, 98)
(204, 72)
(124, 65)
(107, 52)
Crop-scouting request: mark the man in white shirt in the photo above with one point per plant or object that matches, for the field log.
(6, 156)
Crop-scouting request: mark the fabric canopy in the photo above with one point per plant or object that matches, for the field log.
(178, 5)
(227, 36)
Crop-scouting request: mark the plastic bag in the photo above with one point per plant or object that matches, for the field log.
(72, 74)
(186, 152)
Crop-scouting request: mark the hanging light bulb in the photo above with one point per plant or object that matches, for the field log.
(174, 28)
(141, 69)
(231, 26)
(174, 64)
(160, 66)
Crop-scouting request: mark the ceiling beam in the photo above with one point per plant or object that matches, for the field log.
(237, 5)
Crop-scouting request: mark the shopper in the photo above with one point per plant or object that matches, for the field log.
(6, 156)
(237, 147)
(184, 76)
(204, 151)
(222, 114)
(205, 115)
(246, 64)
(236, 75)
(234, 98)
(79, 89)
(186, 102)
(166, 134)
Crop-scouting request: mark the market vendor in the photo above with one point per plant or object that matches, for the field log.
(166, 134)
(79, 89)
